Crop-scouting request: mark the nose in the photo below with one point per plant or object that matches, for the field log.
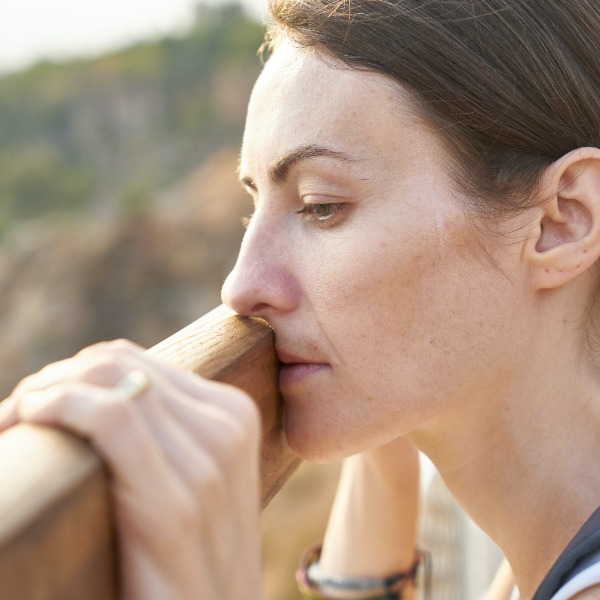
(262, 283)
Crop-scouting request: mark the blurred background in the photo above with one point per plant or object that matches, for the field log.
(120, 210)
(119, 207)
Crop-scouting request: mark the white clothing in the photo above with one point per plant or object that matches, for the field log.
(586, 576)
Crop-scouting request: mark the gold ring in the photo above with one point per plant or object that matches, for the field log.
(132, 385)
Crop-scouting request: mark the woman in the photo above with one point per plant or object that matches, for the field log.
(426, 181)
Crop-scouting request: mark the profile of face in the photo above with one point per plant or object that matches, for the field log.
(391, 310)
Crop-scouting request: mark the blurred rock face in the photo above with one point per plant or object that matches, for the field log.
(66, 285)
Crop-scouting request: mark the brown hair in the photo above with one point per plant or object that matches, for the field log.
(511, 85)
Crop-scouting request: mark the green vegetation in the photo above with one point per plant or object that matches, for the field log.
(105, 134)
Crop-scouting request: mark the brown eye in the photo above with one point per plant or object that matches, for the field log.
(322, 213)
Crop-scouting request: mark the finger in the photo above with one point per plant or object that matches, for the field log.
(132, 434)
(105, 364)
(177, 419)
(180, 386)
(178, 439)
(185, 426)
(8, 414)
(220, 417)
(98, 364)
(137, 357)
(148, 486)
(114, 427)
(223, 433)
(188, 428)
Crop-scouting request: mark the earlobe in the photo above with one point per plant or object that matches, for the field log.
(566, 239)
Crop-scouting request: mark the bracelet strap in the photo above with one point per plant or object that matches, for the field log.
(314, 585)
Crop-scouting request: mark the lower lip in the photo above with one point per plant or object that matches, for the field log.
(298, 372)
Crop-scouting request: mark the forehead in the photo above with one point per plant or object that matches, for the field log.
(304, 98)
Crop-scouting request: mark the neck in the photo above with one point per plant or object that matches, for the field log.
(518, 471)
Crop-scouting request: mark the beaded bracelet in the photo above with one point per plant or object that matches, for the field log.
(315, 586)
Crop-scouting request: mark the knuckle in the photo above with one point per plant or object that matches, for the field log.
(100, 368)
(174, 513)
(118, 347)
(117, 416)
(104, 363)
(184, 513)
(236, 440)
(25, 384)
(53, 401)
(208, 478)
(92, 349)
(123, 345)
(36, 380)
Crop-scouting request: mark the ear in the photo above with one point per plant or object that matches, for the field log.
(565, 237)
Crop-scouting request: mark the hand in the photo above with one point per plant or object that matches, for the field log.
(183, 457)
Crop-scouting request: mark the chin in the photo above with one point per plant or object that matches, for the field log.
(314, 444)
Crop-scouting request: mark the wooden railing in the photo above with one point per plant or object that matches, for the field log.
(56, 534)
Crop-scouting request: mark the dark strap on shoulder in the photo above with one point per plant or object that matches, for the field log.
(586, 542)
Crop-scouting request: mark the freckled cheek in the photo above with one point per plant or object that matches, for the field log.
(379, 289)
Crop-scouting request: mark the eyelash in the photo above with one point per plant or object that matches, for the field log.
(322, 213)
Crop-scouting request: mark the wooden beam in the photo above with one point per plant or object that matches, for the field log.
(56, 535)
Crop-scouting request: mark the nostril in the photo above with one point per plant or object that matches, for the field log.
(245, 301)
(258, 310)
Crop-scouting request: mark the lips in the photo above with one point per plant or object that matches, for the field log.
(287, 358)
(296, 369)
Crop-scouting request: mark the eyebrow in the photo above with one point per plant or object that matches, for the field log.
(279, 170)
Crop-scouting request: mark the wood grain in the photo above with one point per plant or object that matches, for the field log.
(56, 533)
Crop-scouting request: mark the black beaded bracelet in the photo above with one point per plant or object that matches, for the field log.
(316, 586)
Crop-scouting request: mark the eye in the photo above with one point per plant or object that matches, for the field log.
(323, 213)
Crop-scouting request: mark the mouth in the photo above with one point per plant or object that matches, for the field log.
(296, 369)
(287, 358)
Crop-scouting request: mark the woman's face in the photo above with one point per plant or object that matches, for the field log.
(389, 309)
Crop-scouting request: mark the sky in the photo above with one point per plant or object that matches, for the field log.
(31, 30)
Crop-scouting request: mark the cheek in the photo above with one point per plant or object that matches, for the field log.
(387, 281)
(420, 305)
(370, 293)
(409, 327)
